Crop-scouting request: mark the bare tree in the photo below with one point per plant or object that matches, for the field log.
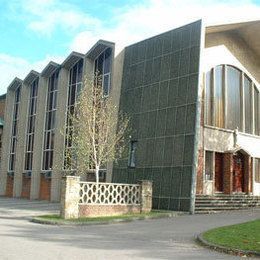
(98, 135)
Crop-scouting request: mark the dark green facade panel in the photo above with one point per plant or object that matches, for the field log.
(159, 92)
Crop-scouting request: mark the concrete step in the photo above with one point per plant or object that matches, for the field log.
(221, 202)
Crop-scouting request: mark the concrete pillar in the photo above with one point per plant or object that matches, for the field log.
(21, 140)
(70, 188)
(146, 195)
(58, 156)
(38, 138)
(4, 179)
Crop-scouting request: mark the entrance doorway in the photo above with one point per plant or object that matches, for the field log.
(219, 172)
(238, 172)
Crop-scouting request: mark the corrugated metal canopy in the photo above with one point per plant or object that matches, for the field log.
(50, 69)
(72, 59)
(15, 83)
(31, 77)
(98, 48)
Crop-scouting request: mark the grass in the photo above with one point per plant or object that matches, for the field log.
(245, 236)
(152, 214)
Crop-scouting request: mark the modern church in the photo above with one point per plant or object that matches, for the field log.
(192, 95)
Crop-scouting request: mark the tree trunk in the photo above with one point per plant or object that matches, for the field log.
(97, 183)
(97, 175)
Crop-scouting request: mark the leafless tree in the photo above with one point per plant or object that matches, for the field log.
(98, 135)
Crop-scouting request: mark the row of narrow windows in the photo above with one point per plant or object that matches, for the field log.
(102, 71)
(232, 100)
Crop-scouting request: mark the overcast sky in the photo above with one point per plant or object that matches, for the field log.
(33, 32)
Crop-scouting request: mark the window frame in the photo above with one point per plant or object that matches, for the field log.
(14, 134)
(71, 106)
(209, 107)
(31, 121)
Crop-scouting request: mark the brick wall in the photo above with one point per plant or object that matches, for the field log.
(199, 188)
(107, 210)
(26, 186)
(247, 174)
(9, 186)
(45, 188)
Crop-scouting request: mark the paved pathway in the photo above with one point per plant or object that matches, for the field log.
(149, 239)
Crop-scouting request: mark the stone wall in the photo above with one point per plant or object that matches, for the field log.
(75, 203)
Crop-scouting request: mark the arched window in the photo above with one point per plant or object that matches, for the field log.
(231, 100)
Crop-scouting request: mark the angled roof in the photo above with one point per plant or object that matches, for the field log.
(98, 48)
(50, 69)
(73, 58)
(15, 83)
(248, 31)
(31, 77)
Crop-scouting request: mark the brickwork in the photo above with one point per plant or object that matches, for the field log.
(9, 186)
(45, 188)
(26, 187)
(228, 173)
(107, 210)
(247, 174)
(199, 188)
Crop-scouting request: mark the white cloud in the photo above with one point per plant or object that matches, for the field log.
(11, 67)
(153, 17)
(44, 16)
(131, 24)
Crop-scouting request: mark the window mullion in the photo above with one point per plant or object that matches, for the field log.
(242, 104)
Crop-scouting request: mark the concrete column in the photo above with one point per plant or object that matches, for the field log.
(38, 138)
(70, 188)
(21, 140)
(115, 91)
(146, 195)
(59, 136)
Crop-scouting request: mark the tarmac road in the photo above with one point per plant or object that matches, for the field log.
(149, 239)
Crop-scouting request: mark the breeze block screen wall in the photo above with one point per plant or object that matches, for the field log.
(159, 92)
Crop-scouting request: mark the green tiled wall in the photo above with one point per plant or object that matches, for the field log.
(159, 92)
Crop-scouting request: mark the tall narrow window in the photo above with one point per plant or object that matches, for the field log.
(208, 99)
(103, 70)
(14, 130)
(256, 111)
(248, 103)
(75, 84)
(132, 154)
(31, 125)
(50, 118)
(219, 97)
(257, 170)
(208, 165)
(233, 98)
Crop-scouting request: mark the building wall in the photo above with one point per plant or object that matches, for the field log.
(229, 48)
(159, 92)
(6, 143)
